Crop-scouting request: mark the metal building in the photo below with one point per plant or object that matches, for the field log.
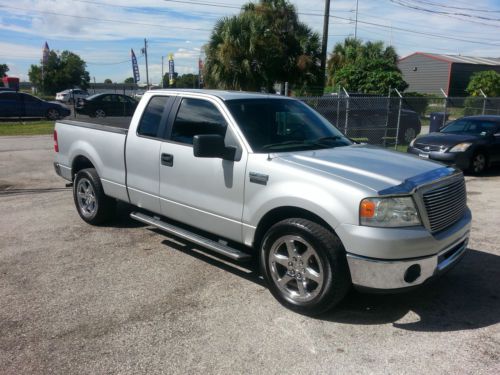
(428, 73)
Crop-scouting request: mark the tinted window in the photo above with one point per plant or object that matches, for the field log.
(470, 126)
(197, 117)
(108, 98)
(283, 125)
(150, 121)
(29, 98)
(8, 96)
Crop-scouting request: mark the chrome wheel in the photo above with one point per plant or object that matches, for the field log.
(478, 163)
(409, 135)
(53, 114)
(296, 268)
(100, 113)
(87, 201)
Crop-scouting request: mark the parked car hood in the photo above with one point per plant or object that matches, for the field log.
(373, 167)
(445, 139)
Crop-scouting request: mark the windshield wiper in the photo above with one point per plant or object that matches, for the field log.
(287, 143)
(329, 138)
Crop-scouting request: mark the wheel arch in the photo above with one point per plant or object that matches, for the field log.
(80, 162)
(281, 213)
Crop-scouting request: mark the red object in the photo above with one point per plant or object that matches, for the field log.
(56, 145)
(11, 82)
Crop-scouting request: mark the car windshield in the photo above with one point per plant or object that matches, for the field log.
(282, 125)
(470, 126)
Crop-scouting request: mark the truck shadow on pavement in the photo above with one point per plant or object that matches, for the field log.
(465, 298)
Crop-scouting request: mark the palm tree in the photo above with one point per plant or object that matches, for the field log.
(262, 45)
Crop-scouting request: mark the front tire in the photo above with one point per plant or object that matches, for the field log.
(478, 163)
(93, 206)
(305, 266)
(100, 113)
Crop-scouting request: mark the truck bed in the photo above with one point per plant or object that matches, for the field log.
(114, 124)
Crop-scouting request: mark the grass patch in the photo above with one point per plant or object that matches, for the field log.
(26, 128)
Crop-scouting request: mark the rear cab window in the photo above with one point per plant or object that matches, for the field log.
(152, 116)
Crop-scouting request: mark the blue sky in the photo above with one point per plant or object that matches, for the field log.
(103, 31)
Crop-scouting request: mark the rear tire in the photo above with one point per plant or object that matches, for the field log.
(53, 114)
(93, 206)
(305, 266)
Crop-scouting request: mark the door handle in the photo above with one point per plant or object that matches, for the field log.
(167, 159)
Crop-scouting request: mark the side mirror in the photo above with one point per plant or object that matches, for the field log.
(212, 146)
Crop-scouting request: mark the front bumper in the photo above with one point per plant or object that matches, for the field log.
(458, 159)
(394, 275)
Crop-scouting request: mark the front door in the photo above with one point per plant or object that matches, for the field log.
(206, 193)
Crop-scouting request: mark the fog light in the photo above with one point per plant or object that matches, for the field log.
(412, 273)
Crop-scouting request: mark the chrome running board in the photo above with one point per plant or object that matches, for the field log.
(192, 237)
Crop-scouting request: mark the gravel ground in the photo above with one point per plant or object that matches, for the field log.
(125, 299)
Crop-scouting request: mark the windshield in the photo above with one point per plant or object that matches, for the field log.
(281, 125)
(470, 126)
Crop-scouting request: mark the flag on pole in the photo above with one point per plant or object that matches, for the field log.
(45, 54)
(171, 69)
(135, 67)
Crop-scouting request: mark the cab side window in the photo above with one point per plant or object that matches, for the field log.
(151, 117)
(196, 117)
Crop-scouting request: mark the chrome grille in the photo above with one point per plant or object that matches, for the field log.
(445, 205)
(424, 147)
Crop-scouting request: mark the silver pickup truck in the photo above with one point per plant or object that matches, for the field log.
(253, 175)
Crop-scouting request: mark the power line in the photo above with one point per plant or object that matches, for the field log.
(440, 36)
(458, 8)
(411, 5)
(103, 19)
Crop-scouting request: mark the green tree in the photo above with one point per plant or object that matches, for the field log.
(488, 81)
(62, 71)
(4, 68)
(185, 81)
(108, 81)
(129, 80)
(262, 45)
(367, 68)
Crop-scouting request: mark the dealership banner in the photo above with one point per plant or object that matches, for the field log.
(135, 67)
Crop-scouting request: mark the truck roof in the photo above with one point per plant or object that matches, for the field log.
(224, 94)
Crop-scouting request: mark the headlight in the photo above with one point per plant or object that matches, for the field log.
(461, 147)
(388, 212)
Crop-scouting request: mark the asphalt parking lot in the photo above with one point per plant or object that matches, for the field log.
(125, 299)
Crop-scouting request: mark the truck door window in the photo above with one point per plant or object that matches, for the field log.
(196, 117)
(151, 117)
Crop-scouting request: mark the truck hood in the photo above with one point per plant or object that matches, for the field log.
(375, 168)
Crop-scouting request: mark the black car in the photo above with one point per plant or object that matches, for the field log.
(102, 105)
(470, 143)
(21, 105)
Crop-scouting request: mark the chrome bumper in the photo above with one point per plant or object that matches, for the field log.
(397, 274)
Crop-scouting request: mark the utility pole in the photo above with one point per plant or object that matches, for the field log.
(324, 44)
(145, 51)
(162, 80)
(356, 23)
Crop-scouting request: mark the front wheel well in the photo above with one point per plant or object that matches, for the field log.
(79, 163)
(281, 213)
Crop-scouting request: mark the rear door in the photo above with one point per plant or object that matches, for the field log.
(142, 154)
(206, 193)
(33, 107)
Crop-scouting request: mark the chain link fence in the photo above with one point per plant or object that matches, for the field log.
(395, 121)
